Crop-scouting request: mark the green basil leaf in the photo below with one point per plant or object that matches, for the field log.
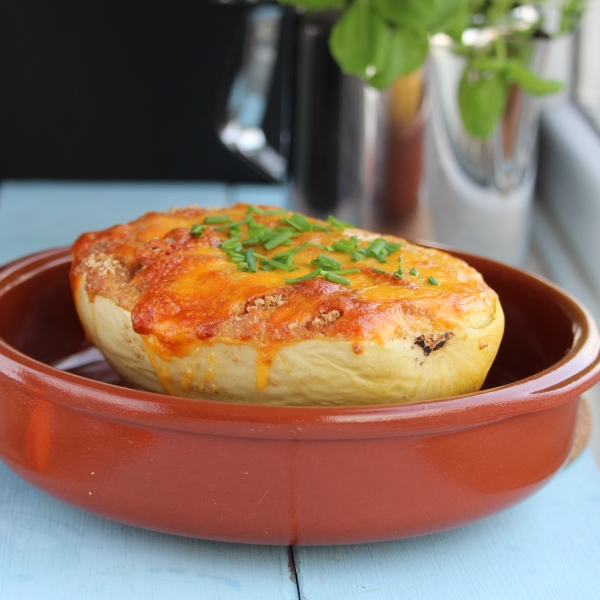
(419, 14)
(409, 13)
(459, 22)
(489, 64)
(445, 12)
(401, 51)
(481, 101)
(356, 37)
(316, 4)
(529, 81)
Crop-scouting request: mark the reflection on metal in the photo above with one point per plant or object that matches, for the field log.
(349, 153)
(500, 161)
(247, 102)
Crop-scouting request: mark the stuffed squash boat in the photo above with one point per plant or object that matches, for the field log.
(258, 305)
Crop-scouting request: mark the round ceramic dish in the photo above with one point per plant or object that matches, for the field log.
(281, 475)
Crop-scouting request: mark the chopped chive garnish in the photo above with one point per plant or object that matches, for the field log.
(347, 246)
(333, 277)
(432, 280)
(321, 247)
(326, 262)
(243, 266)
(348, 271)
(380, 271)
(232, 244)
(279, 265)
(263, 211)
(235, 224)
(377, 246)
(399, 274)
(299, 222)
(260, 256)
(377, 249)
(358, 255)
(284, 255)
(249, 254)
(279, 239)
(236, 258)
(310, 275)
(337, 224)
(216, 219)
(251, 241)
(414, 271)
(196, 229)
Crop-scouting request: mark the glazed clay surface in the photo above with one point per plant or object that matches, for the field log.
(286, 475)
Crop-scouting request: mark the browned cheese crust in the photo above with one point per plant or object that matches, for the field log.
(318, 313)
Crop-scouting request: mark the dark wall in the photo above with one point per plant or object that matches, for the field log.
(103, 90)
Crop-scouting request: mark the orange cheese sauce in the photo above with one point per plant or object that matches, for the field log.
(183, 290)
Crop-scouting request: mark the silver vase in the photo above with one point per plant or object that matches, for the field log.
(480, 191)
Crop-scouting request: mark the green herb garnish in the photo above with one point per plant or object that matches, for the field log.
(346, 246)
(414, 271)
(249, 254)
(310, 275)
(264, 211)
(285, 255)
(335, 278)
(432, 280)
(275, 264)
(234, 224)
(216, 219)
(279, 239)
(299, 222)
(337, 224)
(232, 244)
(197, 230)
(326, 262)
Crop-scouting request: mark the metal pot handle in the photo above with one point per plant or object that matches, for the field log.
(242, 128)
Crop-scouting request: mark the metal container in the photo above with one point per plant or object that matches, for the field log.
(355, 151)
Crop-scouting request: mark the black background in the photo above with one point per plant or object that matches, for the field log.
(97, 90)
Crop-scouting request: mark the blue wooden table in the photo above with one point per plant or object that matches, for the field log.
(547, 547)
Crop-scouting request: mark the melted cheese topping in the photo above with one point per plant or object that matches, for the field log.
(183, 290)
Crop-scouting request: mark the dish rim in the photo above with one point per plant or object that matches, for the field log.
(577, 370)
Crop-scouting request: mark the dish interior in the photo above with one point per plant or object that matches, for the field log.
(38, 318)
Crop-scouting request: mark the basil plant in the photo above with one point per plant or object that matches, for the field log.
(380, 40)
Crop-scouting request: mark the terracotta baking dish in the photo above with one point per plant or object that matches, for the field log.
(280, 475)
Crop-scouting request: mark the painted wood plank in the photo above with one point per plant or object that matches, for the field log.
(39, 215)
(546, 547)
(53, 551)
